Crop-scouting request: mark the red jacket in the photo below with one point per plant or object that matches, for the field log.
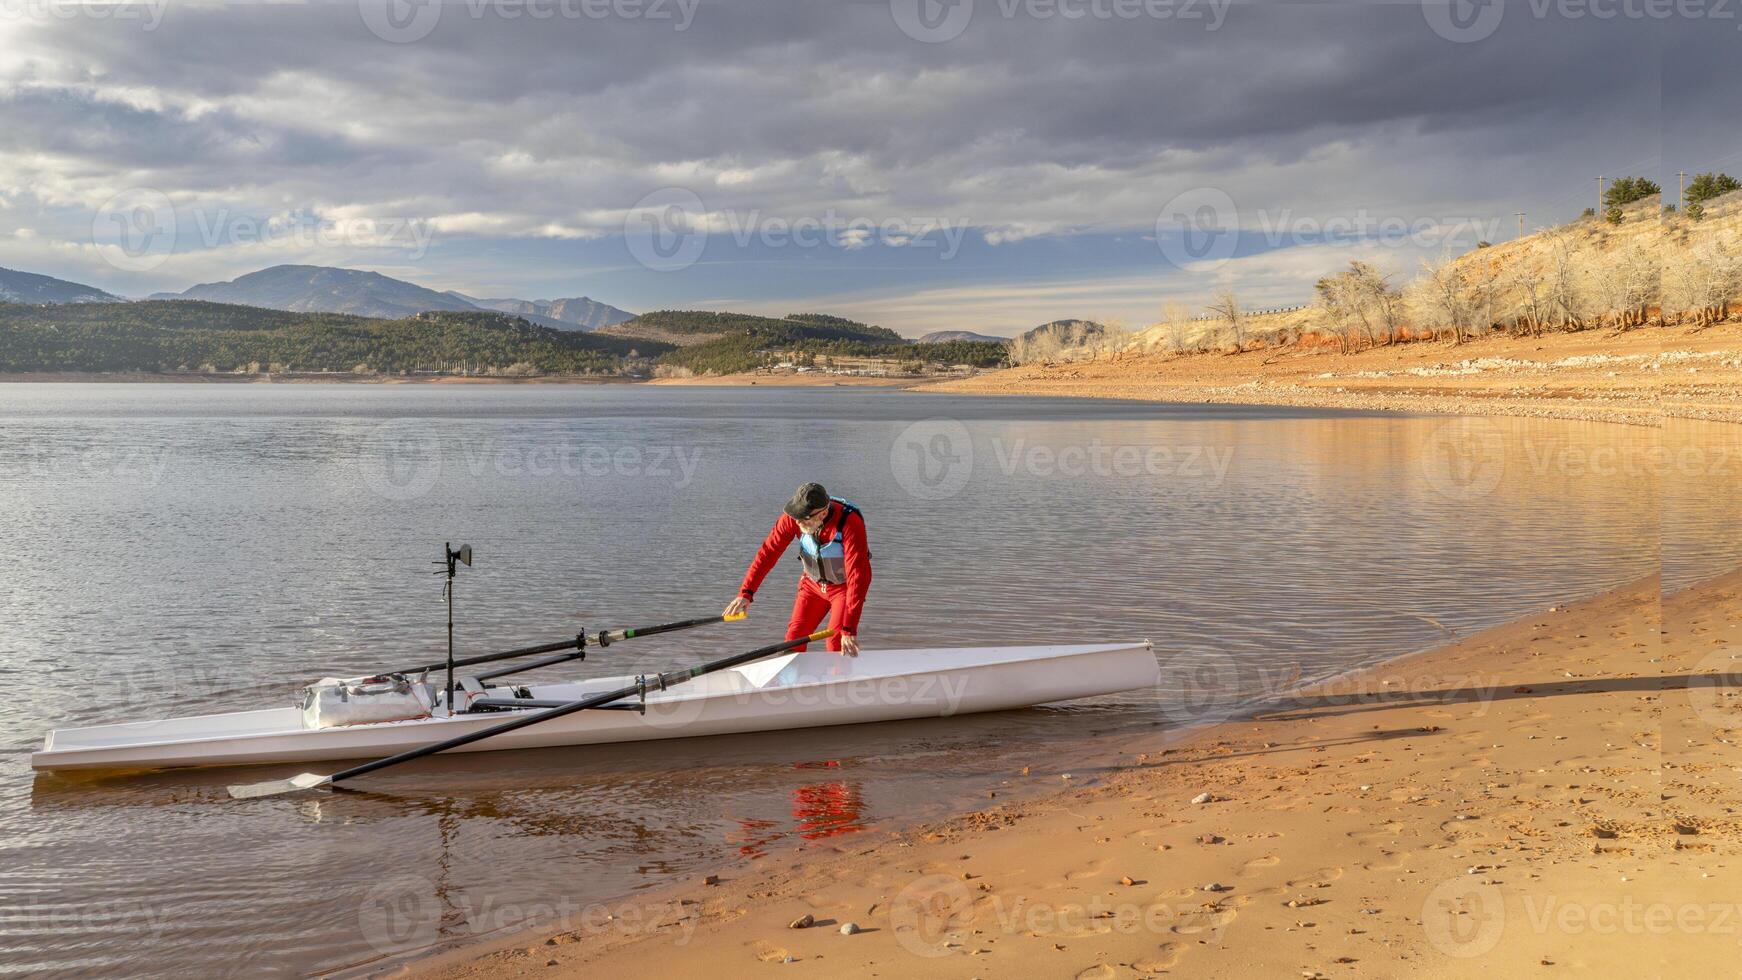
(857, 552)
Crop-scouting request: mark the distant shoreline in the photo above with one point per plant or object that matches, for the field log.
(146, 377)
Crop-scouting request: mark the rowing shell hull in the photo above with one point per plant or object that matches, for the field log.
(799, 690)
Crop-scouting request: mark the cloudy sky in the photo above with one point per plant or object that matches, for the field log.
(984, 165)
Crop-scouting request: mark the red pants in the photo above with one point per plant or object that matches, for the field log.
(811, 605)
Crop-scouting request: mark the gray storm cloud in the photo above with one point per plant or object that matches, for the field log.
(515, 126)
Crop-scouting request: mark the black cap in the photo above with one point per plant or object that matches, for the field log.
(809, 497)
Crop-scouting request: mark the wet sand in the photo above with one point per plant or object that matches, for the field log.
(1555, 794)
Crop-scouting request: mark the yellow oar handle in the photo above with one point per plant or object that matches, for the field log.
(734, 617)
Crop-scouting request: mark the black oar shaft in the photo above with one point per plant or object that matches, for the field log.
(660, 682)
(580, 641)
(561, 658)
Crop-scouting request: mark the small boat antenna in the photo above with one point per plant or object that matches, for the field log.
(452, 558)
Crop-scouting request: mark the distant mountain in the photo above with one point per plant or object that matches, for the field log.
(945, 336)
(28, 287)
(583, 313)
(183, 336)
(319, 289)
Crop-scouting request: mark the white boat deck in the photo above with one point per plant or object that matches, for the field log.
(793, 690)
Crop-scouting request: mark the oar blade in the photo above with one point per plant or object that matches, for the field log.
(252, 791)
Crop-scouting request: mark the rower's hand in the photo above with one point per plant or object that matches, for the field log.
(739, 606)
(849, 645)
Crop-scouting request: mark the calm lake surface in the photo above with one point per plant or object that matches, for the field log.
(182, 549)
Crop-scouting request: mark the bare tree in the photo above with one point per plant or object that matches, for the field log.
(1565, 296)
(1445, 298)
(1340, 298)
(1226, 307)
(1176, 316)
(1700, 282)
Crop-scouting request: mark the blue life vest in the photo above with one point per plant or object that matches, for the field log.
(827, 563)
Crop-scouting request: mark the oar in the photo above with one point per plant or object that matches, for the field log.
(659, 682)
(602, 638)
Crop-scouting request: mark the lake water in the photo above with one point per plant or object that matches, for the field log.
(180, 549)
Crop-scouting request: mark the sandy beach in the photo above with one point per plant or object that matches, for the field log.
(1635, 377)
(1552, 795)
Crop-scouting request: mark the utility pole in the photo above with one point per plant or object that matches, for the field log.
(1681, 186)
(1599, 210)
(1520, 223)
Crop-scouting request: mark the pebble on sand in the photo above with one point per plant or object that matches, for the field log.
(849, 928)
(804, 921)
(1203, 798)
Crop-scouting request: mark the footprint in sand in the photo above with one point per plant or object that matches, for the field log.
(1258, 865)
(1162, 960)
(1197, 923)
(1100, 971)
(1323, 876)
(1390, 861)
(1089, 871)
(768, 952)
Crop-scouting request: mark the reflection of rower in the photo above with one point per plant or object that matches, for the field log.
(825, 810)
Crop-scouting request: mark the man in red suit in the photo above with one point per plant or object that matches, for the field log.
(837, 566)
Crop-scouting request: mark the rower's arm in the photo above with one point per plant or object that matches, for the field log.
(773, 546)
(856, 550)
